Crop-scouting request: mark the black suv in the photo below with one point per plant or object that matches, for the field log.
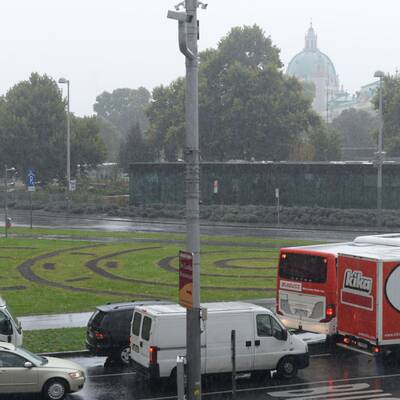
(108, 330)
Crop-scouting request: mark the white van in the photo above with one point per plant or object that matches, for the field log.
(158, 336)
(10, 327)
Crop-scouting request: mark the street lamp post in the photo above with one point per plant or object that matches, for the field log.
(6, 170)
(66, 81)
(380, 154)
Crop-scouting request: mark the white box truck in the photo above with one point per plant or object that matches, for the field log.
(369, 300)
(158, 336)
(10, 328)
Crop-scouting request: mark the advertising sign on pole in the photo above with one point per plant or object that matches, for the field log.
(186, 279)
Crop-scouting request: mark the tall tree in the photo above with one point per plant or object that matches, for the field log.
(391, 113)
(135, 149)
(356, 127)
(87, 147)
(33, 130)
(166, 131)
(32, 127)
(122, 109)
(247, 107)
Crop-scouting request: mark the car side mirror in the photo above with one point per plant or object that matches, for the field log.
(28, 364)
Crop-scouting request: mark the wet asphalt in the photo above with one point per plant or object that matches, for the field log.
(110, 224)
(344, 375)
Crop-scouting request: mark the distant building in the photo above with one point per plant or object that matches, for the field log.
(313, 66)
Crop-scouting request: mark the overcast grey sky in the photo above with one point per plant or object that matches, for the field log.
(103, 45)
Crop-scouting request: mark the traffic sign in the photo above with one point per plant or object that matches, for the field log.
(186, 279)
(30, 180)
(72, 185)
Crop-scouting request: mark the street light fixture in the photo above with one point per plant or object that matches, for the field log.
(380, 154)
(66, 81)
(6, 220)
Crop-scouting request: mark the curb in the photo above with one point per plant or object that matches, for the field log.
(72, 353)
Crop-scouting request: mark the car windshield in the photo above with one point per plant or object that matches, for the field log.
(34, 358)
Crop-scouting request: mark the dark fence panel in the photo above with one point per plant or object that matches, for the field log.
(330, 184)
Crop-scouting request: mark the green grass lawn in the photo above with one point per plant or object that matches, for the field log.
(55, 340)
(57, 271)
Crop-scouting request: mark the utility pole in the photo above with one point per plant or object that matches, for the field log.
(188, 36)
(380, 154)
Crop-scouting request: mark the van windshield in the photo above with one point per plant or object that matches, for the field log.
(303, 267)
(13, 317)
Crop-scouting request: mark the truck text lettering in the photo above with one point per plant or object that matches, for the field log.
(356, 280)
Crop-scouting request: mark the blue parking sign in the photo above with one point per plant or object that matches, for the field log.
(30, 180)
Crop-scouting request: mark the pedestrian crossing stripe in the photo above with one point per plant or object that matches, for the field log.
(356, 391)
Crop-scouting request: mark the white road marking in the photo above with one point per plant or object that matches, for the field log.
(382, 396)
(357, 391)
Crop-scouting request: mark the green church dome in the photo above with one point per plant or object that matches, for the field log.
(311, 63)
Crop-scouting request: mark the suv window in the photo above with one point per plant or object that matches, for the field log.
(97, 318)
(137, 319)
(119, 321)
(146, 328)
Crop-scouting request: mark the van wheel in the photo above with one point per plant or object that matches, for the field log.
(287, 368)
(55, 389)
(125, 355)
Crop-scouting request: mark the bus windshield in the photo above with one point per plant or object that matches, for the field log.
(303, 267)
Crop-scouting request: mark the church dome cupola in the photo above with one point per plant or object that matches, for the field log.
(312, 65)
(311, 40)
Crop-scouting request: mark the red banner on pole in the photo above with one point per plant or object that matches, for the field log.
(186, 279)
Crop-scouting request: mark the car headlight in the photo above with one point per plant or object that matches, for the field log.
(76, 374)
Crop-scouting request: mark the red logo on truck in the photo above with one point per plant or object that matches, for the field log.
(356, 290)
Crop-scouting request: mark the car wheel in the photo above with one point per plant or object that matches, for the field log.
(287, 368)
(55, 389)
(125, 355)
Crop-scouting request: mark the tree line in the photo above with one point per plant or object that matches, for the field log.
(248, 110)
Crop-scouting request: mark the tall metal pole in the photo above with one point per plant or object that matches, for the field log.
(379, 188)
(5, 202)
(68, 142)
(380, 153)
(66, 81)
(188, 36)
(193, 340)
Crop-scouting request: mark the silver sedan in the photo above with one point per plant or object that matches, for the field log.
(24, 372)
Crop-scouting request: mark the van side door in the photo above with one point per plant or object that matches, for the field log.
(268, 343)
(218, 349)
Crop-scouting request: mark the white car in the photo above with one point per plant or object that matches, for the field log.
(24, 372)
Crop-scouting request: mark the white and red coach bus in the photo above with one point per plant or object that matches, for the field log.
(307, 282)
